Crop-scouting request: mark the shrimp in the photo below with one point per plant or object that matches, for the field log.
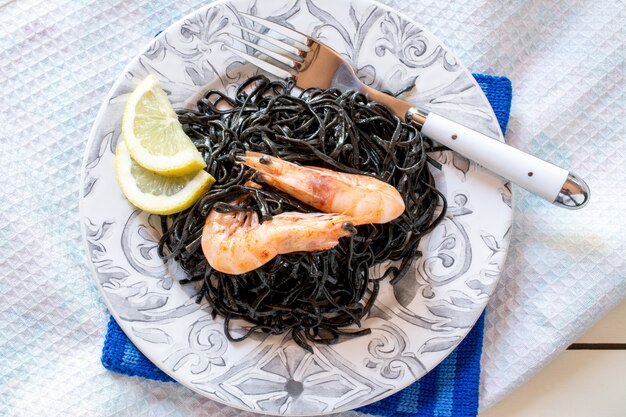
(236, 243)
(369, 199)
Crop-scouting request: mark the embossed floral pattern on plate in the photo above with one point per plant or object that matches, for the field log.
(414, 325)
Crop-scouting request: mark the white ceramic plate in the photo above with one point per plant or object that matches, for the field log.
(414, 325)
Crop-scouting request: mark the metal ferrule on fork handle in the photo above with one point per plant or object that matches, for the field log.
(547, 180)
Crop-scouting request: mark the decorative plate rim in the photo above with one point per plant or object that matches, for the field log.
(82, 215)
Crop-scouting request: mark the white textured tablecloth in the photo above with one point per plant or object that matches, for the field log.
(564, 270)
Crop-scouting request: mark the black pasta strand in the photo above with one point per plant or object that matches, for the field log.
(318, 297)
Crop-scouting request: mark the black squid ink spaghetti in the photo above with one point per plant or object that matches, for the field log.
(315, 296)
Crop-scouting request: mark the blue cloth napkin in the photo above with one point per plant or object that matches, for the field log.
(451, 389)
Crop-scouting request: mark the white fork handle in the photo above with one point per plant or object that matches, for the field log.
(542, 178)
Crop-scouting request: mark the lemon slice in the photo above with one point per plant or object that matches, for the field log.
(153, 134)
(155, 193)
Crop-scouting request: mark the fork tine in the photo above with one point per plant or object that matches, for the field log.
(278, 57)
(282, 45)
(272, 69)
(300, 40)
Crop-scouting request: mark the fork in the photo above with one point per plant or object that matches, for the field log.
(310, 63)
